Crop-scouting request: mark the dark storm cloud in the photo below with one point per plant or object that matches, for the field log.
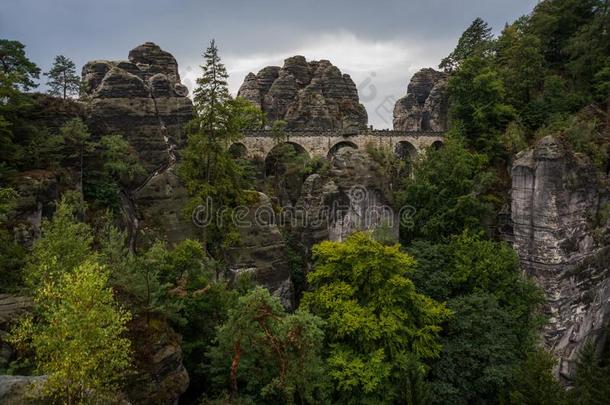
(258, 31)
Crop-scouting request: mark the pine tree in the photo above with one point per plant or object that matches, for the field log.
(209, 171)
(476, 40)
(592, 383)
(16, 70)
(63, 80)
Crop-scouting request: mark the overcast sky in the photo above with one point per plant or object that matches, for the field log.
(379, 43)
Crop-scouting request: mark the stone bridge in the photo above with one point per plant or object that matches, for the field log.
(324, 143)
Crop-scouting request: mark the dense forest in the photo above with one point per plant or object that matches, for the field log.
(444, 316)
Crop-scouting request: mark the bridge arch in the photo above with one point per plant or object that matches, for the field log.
(340, 145)
(275, 157)
(238, 150)
(405, 150)
(437, 145)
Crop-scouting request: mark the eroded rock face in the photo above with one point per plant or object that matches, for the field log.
(352, 197)
(262, 250)
(425, 106)
(143, 100)
(12, 308)
(21, 390)
(306, 94)
(161, 377)
(556, 199)
(38, 195)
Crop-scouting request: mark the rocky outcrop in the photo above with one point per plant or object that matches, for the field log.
(563, 239)
(161, 377)
(21, 390)
(352, 197)
(306, 95)
(143, 100)
(12, 307)
(425, 106)
(38, 194)
(261, 252)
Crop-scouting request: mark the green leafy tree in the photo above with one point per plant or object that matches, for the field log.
(534, 383)
(17, 75)
(476, 40)
(63, 80)
(520, 64)
(494, 323)
(78, 340)
(64, 244)
(449, 191)
(376, 321)
(118, 167)
(592, 382)
(478, 107)
(120, 160)
(17, 71)
(480, 352)
(556, 22)
(12, 255)
(267, 355)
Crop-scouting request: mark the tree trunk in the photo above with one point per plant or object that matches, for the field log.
(234, 367)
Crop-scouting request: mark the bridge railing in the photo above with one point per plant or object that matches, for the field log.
(339, 133)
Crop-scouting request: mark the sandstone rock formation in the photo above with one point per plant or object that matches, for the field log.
(161, 377)
(21, 390)
(350, 198)
(262, 250)
(306, 94)
(563, 241)
(12, 307)
(425, 106)
(143, 100)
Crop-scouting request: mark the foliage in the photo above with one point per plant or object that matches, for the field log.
(534, 383)
(478, 107)
(120, 161)
(207, 167)
(264, 354)
(480, 351)
(494, 322)
(475, 41)
(394, 168)
(376, 320)
(63, 80)
(12, 254)
(118, 167)
(17, 71)
(78, 340)
(591, 385)
(449, 192)
(64, 244)
(17, 75)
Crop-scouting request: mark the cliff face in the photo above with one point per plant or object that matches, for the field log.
(306, 94)
(353, 196)
(425, 105)
(563, 240)
(143, 100)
